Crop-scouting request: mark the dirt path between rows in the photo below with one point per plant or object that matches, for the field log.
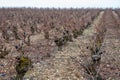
(110, 64)
(61, 66)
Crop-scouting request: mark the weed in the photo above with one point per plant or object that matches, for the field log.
(22, 67)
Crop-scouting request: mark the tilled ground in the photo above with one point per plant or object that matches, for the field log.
(59, 65)
(110, 64)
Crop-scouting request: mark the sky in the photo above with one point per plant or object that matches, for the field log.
(61, 3)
